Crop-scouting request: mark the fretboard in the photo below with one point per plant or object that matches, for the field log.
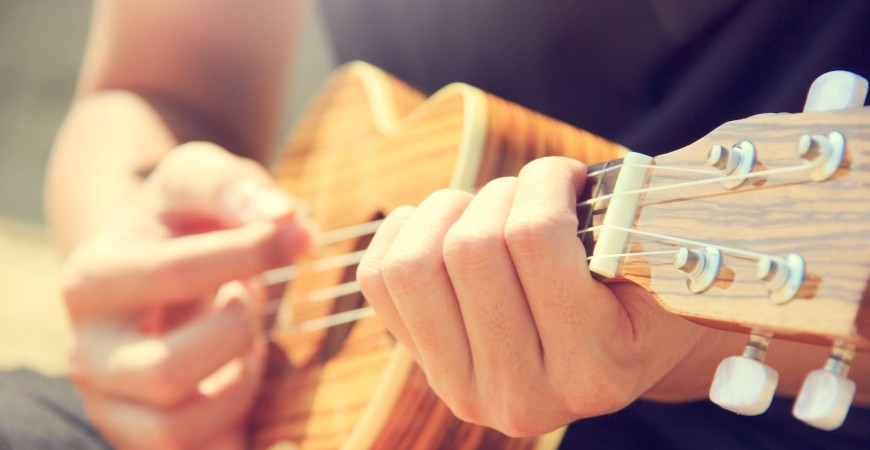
(598, 184)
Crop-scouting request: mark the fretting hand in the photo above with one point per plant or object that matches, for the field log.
(165, 308)
(492, 296)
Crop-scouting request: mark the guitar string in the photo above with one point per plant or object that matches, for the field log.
(352, 287)
(321, 323)
(656, 167)
(738, 176)
(332, 320)
(289, 273)
(664, 237)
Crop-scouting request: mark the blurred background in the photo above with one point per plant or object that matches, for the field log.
(41, 45)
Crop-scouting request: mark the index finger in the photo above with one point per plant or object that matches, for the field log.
(541, 233)
(108, 278)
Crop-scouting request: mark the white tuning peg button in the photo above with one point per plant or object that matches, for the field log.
(836, 90)
(824, 399)
(744, 385)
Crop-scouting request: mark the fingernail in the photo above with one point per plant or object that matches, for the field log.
(269, 204)
(234, 306)
(250, 200)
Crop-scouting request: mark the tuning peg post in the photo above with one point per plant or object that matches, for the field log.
(735, 163)
(700, 266)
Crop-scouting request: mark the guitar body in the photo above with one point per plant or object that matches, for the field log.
(368, 145)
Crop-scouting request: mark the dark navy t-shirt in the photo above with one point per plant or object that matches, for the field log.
(653, 75)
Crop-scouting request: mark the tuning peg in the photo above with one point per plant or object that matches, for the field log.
(744, 384)
(702, 267)
(782, 276)
(737, 160)
(826, 394)
(824, 153)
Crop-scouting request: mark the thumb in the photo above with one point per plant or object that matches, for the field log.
(201, 181)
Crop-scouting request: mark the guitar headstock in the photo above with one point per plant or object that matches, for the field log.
(792, 233)
(762, 226)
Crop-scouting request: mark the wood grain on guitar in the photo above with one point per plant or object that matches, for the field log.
(370, 144)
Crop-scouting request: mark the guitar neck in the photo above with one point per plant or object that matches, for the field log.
(600, 181)
(782, 218)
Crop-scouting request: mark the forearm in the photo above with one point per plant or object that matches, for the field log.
(108, 144)
(214, 71)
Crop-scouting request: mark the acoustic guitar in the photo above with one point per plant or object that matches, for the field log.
(758, 227)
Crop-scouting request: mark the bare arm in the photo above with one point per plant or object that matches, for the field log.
(154, 228)
(157, 74)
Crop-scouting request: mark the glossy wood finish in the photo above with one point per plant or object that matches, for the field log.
(827, 223)
(369, 144)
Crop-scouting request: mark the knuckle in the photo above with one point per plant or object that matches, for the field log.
(463, 406)
(500, 183)
(406, 269)
(529, 234)
(510, 415)
(517, 423)
(448, 196)
(518, 410)
(402, 210)
(370, 278)
(470, 249)
(193, 150)
(459, 396)
(466, 411)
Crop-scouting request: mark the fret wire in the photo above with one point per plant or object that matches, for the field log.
(604, 169)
